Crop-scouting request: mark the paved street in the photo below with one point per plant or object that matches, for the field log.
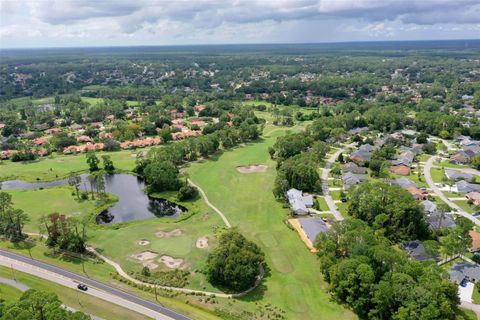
(97, 289)
(439, 193)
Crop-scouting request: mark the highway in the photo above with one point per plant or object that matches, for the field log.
(97, 289)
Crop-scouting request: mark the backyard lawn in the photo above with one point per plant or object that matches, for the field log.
(294, 281)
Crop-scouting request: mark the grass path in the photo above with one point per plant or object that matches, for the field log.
(293, 280)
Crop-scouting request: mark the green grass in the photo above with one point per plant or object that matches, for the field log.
(93, 101)
(9, 294)
(60, 199)
(84, 303)
(322, 204)
(467, 314)
(59, 166)
(294, 282)
(201, 224)
(467, 207)
(438, 174)
(449, 165)
(476, 296)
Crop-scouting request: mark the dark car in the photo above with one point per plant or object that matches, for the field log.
(82, 287)
(464, 283)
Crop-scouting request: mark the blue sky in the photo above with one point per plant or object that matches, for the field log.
(65, 23)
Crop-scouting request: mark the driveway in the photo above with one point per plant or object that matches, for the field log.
(465, 293)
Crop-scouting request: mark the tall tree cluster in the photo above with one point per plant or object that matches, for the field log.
(378, 281)
(11, 220)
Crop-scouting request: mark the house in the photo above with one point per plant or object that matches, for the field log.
(299, 202)
(475, 240)
(40, 141)
(356, 131)
(200, 107)
(459, 158)
(199, 123)
(353, 168)
(417, 194)
(416, 250)
(458, 175)
(312, 227)
(474, 197)
(439, 220)
(403, 182)
(466, 187)
(350, 179)
(401, 170)
(366, 148)
(183, 135)
(429, 206)
(463, 270)
(51, 131)
(84, 139)
(360, 157)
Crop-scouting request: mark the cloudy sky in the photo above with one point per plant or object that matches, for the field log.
(65, 23)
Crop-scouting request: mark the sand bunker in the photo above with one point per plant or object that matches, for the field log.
(202, 243)
(168, 234)
(145, 255)
(252, 168)
(143, 242)
(150, 264)
(171, 262)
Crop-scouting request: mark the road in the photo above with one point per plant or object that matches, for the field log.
(428, 178)
(326, 170)
(96, 289)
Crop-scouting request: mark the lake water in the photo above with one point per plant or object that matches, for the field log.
(133, 203)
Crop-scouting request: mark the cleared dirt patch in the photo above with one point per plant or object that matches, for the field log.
(252, 168)
(202, 243)
(150, 264)
(145, 255)
(143, 242)
(171, 262)
(168, 234)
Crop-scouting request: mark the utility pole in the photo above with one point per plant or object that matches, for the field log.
(13, 273)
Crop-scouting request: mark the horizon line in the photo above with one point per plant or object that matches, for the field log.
(233, 44)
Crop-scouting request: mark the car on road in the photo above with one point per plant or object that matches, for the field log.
(464, 283)
(82, 287)
(476, 214)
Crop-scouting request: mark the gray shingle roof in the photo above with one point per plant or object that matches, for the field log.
(416, 250)
(462, 270)
(312, 227)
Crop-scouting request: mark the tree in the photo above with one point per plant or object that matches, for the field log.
(187, 192)
(11, 220)
(92, 161)
(65, 233)
(161, 176)
(389, 208)
(74, 181)
(476, 161)
(39, 305)
(235, 263)
(108, 164)
(62, 140)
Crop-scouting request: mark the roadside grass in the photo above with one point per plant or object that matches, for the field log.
(335, 194)
(424, 157)
(468, 314)
(467, 207)
(8, 293)
(59, 166)
(104, 273)
(322, 204)
(38, 202)
(447, 164)
(75, 299)
(437, 174)
(249, 204)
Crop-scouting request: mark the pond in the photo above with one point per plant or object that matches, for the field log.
(133, 203)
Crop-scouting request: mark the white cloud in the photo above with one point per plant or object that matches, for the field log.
(182, 21)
